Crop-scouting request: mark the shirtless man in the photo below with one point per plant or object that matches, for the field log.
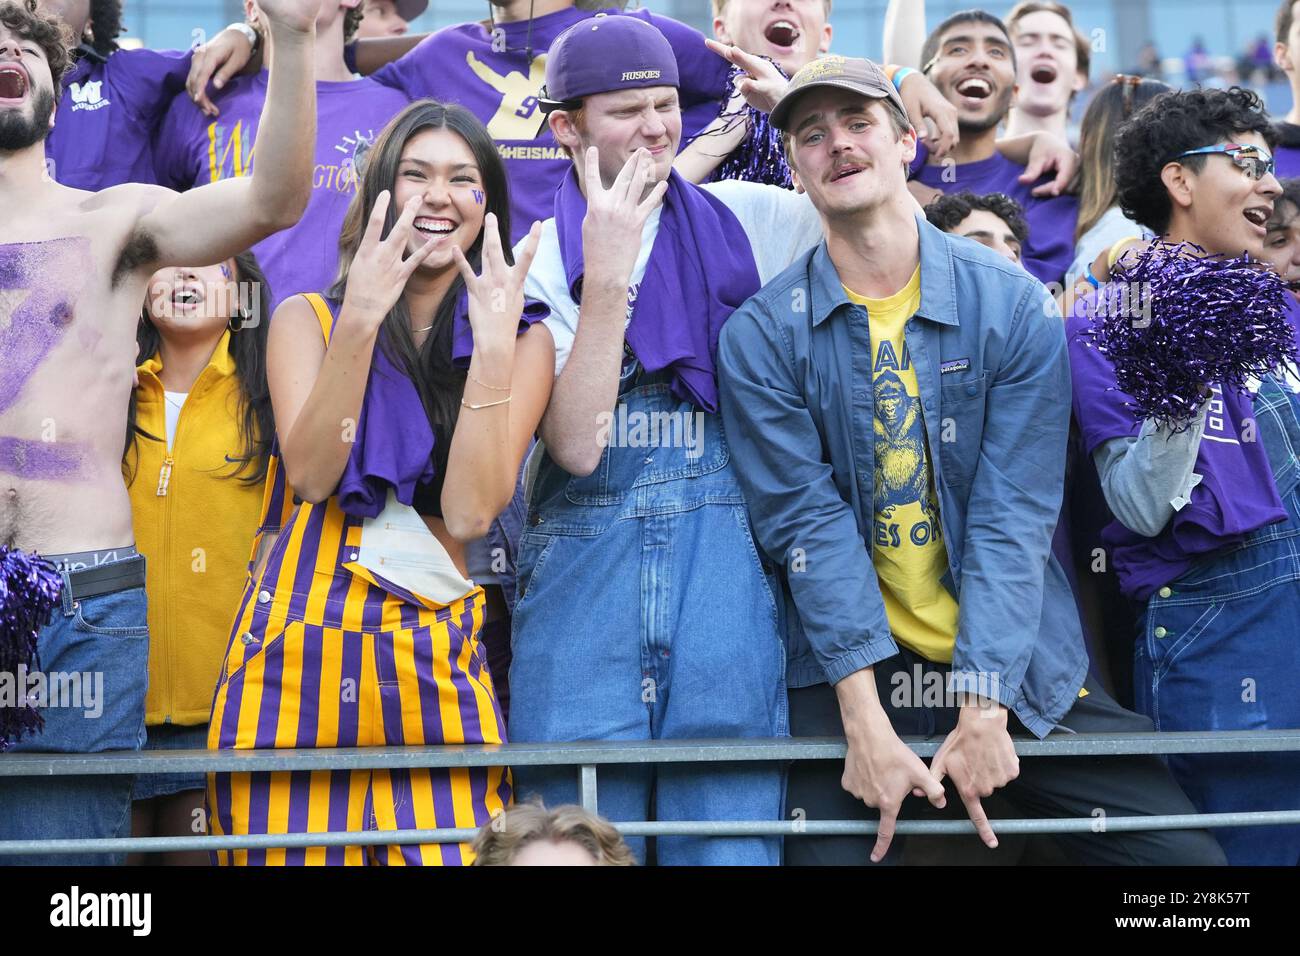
(74, 267)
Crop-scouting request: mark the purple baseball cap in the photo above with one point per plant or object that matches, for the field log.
(604, 54)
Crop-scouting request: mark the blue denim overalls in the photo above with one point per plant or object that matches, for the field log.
(1219, 649)
(646, 613)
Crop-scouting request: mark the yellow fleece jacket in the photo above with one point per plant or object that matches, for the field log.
(193, 524)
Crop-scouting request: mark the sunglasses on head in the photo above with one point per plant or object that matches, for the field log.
(1256, 163)
(1129, 85)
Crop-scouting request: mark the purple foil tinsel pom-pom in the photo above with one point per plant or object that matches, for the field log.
(29, 590)
(1176, 321)
(761, 157)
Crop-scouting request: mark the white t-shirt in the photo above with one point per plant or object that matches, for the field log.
(175, 402)
(779, 224)
(1108, 230)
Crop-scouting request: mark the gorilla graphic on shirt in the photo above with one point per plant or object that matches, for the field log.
(901, 476)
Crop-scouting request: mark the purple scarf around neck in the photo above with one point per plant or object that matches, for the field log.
(701, 269)
(394, 442)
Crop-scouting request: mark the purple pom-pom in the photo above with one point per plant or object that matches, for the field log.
(1176, 321)
(761, 157)
(29, 589)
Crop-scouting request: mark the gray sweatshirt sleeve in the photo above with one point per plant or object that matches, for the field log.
(1149, 477)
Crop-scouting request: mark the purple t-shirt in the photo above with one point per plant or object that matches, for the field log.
(1236, 494)
(1286, 155)
(109, 115)
(193, 149)
(495, 81)
(1050, 249)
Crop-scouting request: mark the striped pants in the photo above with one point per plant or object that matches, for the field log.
(419, 678)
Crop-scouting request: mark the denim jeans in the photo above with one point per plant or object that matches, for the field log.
(1218, 650)
(148, 786)
(104, 640)
(647, 614)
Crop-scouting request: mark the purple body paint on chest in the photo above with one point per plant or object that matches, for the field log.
(41, 460)
(40, 283)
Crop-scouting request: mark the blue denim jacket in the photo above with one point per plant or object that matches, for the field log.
(988, 347)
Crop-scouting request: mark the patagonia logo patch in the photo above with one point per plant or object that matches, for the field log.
(956, 365)
(641, 75)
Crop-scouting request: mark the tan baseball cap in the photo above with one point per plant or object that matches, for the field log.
(843, 72)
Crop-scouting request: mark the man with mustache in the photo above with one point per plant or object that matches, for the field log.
(941, 570)
(74, 267)
(1053, 58)
(970, 57)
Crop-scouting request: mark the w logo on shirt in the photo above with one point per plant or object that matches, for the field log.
(88, 95)
(230, 151)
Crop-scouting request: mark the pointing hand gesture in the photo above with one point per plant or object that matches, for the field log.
(379, 270)
(763, 85)
(496, 294)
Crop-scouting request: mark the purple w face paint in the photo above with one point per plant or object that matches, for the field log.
(40, 283)
(478, 196)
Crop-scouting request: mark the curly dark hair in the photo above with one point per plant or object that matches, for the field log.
(947, 212)
(1170, 124)
(352, 22)
(48, 33)
(105, 25)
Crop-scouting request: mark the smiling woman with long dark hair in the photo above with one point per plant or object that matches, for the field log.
(405, 399)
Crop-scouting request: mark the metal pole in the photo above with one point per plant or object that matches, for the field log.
(587, 784)
(660, 828)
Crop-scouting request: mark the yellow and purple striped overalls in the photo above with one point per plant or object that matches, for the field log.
(325, 654)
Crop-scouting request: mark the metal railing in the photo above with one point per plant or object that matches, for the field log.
(588, 756)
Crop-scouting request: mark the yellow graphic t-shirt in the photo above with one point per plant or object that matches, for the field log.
(907, 541)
